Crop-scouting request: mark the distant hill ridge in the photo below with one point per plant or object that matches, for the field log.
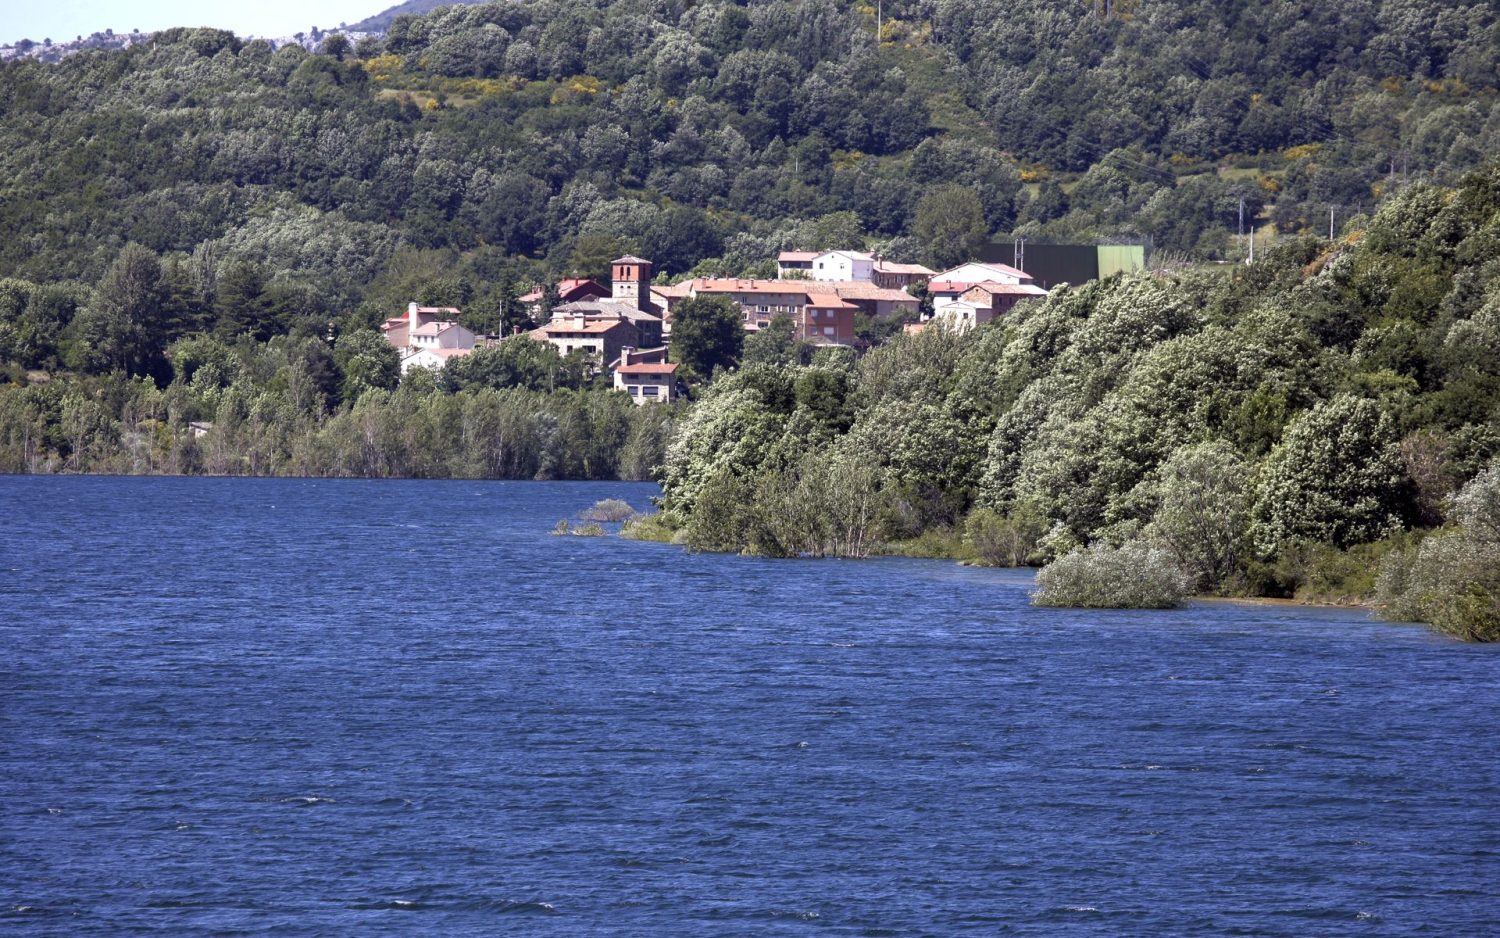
(381, 21)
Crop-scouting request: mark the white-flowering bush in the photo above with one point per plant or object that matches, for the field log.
(1134, 575)
(1452, 581)
(1476, 507)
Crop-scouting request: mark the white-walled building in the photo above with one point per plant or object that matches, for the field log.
(647, 382)
(843, 265)
(433, 357)
(427, 336)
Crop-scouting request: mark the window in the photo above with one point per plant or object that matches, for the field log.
(651, 390)
(828, 330)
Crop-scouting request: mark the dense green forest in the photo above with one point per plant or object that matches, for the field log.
(513, 138)
(204, 228)
(1292, 428)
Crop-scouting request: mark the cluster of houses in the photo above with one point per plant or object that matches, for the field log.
(624, 327)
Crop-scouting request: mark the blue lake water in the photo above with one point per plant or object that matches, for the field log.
(245, 707)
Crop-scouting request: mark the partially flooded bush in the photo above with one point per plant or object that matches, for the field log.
(1452, 580)
(1134, 575)
(1004, 540)
(591, 529)
(658, 526)
(609, 510)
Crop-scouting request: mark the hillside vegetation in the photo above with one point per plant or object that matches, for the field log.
(515, 136)
(1279, 431)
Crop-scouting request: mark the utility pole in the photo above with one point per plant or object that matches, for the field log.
(1018, 254)
(1252, 244)
(879, 20)
(1330, 222)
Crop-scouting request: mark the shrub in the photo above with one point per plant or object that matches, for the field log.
(1452, 580)
(1132, 576)
(1004, 540)
(609, 509)
(657, 526)
(591, 529)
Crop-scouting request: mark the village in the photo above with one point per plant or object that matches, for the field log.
(625, 327)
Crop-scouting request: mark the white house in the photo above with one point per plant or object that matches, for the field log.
(843, 265)
(975, 272)
(448, 335)
(648, 382)
(961, 316)
(431, 357)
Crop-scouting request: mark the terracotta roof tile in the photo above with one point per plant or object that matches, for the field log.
(647, 368)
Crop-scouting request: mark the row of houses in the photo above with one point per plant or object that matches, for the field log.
(625, 327)
(619, 329)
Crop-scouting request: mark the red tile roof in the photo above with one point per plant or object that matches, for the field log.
(950, 286)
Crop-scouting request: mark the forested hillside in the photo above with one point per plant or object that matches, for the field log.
(276, 203)
(1277, 432)
(523, 135)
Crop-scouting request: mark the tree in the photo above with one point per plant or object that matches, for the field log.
(367, 361)
(337, 46)
(708, 333)
(1203, 510)
(1336, 478)
(123, 325)
(777, 344)
(517, 362)
(592, 254)
(680, 238)
(950, 223)
(243, 303)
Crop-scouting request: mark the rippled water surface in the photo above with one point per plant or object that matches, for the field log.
(378, 708)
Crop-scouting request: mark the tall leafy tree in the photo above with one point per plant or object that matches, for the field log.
(123, 327)
(950, 225)
(708, 333)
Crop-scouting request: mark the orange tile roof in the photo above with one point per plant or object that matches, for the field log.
(950, 286)
(1009, 289)
(858, 290)
(796, 256)
(433, 328)
(996, 267)
(592, 328)
(647, 368)
(887, 267)
(786, 287)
